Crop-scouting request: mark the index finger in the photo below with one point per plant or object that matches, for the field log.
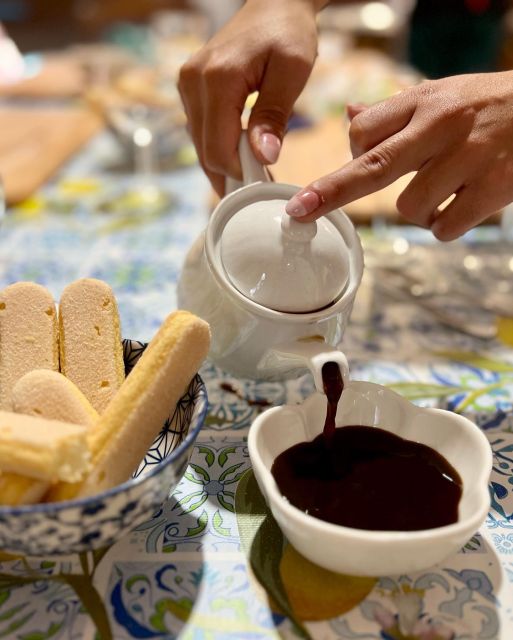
(400, 154)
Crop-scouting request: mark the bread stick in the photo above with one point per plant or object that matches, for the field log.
(133, 419)
(91, 351)
(42, 449)
(17, 490)
(28, 334)
(49, 394)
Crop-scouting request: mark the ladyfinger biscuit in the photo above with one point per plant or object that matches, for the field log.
(42, 449)
(91, 351)
(16, 490)
(28, 334)
(133, 419)
(49, 394)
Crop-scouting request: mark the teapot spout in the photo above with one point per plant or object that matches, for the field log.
(303, 355)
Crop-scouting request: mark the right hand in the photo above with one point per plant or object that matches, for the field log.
(455, 133)
(269, 46)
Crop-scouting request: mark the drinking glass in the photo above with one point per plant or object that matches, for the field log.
(142, 108)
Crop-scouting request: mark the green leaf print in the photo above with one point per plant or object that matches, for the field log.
(214, 420)
(194, 505)
(474, 395)
(232, 480)
(224, 502)
(418, 390)
(10, 613)
(223, 456)
(474, 544)
(209, 455)
(202, 523)
(180, 608)
(43, 635)
(15, 624)
(200, 471)
(218, 524)
(476, 360)
(231, 469)
(192, 478)
(186, 499)
(140, 577)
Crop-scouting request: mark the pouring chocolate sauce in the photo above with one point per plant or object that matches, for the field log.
(366, 477)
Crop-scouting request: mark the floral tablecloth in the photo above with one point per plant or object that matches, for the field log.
(212, 563)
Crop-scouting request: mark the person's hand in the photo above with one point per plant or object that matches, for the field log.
(269, 46)
(456, 133)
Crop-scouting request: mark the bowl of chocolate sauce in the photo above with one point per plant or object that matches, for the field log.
(363, 482)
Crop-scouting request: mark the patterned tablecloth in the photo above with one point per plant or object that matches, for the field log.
(212, 562)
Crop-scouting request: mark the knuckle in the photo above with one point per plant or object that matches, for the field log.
(425, 89)
(358, 132)
(297, 57)
(456, 113)
(276, 116)
(189, 73)
(205, 67)
(213, 160)
(377, 162)
(215, 157)
(214, 73)
(407, 204)
(443, 232)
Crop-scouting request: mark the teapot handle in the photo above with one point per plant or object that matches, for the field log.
(252, 170)
(300, 355)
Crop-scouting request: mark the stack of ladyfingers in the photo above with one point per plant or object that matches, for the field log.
(71, 425)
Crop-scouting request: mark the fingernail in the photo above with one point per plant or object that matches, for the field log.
(302, 204)
(270, 146)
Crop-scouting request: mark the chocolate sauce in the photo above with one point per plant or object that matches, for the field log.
(258, 402)
(366, 477)
(333, 385)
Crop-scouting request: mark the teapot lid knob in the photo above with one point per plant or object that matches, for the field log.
(283, 264)
(297, 231)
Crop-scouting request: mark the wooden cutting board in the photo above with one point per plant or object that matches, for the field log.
(36, 141)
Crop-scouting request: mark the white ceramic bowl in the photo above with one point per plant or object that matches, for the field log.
(73, 526)
(359, 551)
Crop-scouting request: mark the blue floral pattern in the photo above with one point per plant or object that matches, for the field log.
(179, 567)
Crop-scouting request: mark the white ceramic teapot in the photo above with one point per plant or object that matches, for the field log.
(276, 292)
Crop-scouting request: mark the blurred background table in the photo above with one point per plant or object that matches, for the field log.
(212, 563)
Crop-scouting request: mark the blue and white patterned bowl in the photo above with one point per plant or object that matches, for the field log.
(100, 520)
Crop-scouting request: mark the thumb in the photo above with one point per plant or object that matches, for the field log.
(269, 117)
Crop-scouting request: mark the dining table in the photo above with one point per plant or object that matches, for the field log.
(432, 321)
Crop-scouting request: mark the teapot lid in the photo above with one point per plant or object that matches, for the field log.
(283, 264)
